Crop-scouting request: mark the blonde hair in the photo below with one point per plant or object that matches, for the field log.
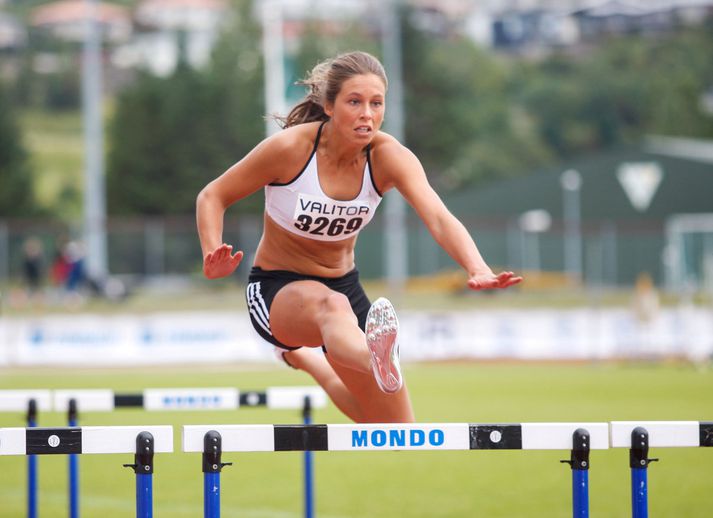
(324, 83)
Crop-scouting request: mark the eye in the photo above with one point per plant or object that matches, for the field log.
(353, 102)
(377, 103)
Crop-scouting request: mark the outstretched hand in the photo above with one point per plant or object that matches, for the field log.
(489, 281)
(221, 262)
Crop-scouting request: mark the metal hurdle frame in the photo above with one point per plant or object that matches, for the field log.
(579, 438)
(638, 436)
(31, 402)
(142, 441)
(73, 402)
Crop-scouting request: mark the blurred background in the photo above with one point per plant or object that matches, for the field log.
(573, 138)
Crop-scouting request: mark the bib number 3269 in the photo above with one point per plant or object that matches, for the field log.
(320, 226)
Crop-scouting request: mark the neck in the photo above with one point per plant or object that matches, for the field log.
(339, 148)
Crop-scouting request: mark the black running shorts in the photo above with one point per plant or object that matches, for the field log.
(263, 285)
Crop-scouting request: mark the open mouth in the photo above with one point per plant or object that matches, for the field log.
(365, 130)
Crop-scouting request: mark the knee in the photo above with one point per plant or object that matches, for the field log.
(337, 304)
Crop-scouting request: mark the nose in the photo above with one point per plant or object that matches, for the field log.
(367, 112)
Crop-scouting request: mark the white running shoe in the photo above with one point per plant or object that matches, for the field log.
(382, 328)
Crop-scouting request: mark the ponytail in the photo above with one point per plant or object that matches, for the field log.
(311, 108)
(324, 82)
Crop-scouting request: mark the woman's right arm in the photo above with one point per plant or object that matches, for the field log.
(264, 164)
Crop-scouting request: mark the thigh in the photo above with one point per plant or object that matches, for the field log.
(375, 406)
(295, 310)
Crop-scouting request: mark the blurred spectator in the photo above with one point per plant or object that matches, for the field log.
(74, 256)
(32, 274)
(60, 268)
(32, 265)
(646, 298)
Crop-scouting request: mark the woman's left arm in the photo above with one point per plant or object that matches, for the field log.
(404, 172)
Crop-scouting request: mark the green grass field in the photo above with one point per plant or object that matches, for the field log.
(409, 484)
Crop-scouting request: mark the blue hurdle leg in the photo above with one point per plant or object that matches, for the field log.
(73, 418)
(143, 467)
(32, 486)
(73, 485)
(212, 465)
(639, 493)
(639, 462)
(144, 495)
(579, 462)
(32, 464)
(211, 495)
(308, 464)
(580, 493)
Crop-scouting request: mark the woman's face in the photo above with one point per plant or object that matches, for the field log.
(358, 110)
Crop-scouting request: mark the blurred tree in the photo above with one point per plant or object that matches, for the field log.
(619, 92)
(459, 120)
(471, 115)
(171, 136)
(16, 195)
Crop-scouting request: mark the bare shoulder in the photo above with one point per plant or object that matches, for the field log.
(286, 151)
(392, 162)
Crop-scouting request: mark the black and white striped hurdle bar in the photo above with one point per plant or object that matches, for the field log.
(352, 437)
(18, 400)
(81, 440)
(94, 400)
(664, 434)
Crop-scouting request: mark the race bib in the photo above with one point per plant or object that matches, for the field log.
(324, 218)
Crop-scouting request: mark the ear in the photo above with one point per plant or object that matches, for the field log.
(329, 109)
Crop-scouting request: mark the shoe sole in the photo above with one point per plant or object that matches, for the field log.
(382, 328)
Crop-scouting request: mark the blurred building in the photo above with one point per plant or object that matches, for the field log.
(13, 38)
(66, 20)
(630, 199)
(166, 30)
(13, 34)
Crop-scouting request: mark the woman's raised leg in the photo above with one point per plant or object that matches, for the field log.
(316, 365)
(308, 313)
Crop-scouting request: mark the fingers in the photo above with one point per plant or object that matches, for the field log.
(502, 280)
(221, 262)
(237, 258)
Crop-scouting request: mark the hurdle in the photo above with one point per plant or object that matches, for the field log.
(639, 436)
(31, 402)
(578, 438)
(142, 441)
(186, 399)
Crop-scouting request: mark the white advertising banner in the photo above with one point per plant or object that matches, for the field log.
(189, 337)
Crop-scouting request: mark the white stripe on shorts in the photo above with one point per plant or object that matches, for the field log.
(257, 308)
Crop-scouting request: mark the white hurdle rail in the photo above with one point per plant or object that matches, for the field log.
(639, 436)
(218, 398)
(81, 440)
(19, 400)
(426, 436)
(142, 441)
(663, 434)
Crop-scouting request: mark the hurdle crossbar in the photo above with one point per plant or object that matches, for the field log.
(639, 436)
(220, 398)
(81, 440)
(19, 400)
(350, 437)
(664, 434)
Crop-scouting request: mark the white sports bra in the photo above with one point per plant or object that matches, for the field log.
(301, 207)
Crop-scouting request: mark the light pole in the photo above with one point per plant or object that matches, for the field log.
(533, 223)
(571, 182)
(94, 190)
(395, 237)
(273, 48)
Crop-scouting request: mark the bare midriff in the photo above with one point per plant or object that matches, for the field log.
(281, 250)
